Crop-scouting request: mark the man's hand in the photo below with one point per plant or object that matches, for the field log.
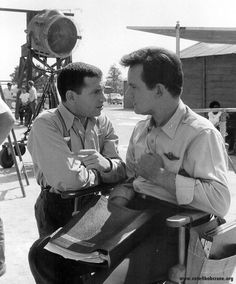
(92, 159)
(149, 165)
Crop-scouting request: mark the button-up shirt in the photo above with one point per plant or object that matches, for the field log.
(57, 165)
(32, 94)
(24, 97)
(8, 94)
(194, 150)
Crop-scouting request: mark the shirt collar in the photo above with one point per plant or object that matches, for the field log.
(69, 116)
(170, 127)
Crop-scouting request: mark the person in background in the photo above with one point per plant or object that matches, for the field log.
(214, 116)
(24, 108)
(231, 133)
(8, 94)
(32, 99)
(6, 124)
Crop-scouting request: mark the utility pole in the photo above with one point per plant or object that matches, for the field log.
(177, 28)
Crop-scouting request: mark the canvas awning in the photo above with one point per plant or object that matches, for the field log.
(202, 34)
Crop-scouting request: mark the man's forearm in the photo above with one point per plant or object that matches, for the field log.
(117, 172)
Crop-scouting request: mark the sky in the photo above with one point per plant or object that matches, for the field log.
(103, 26)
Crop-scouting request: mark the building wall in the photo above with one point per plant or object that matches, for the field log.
(193, 82)
(210, 78)
(221, 80)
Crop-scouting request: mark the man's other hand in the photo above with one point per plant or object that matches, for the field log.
(149, 165)
(92, 159)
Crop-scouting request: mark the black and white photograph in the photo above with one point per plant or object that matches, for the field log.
(118, 142)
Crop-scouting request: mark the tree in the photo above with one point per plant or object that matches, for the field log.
(39, 84)
(114, 80)
(14, 75)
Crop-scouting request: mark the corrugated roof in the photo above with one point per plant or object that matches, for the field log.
(202, 49)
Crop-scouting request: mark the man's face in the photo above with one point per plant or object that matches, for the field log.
(89, 102)
(143, 98)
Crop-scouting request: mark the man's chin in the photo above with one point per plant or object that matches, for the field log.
(137, 110)
(98, 112)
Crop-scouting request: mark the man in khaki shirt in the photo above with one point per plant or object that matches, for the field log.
(176, 159)
(73, 147)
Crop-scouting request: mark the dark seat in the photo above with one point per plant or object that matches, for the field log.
(182, 222)
(104, 188)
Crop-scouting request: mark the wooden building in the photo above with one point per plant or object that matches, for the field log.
(209, 74)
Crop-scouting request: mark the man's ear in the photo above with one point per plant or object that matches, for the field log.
(70, 96)
(160, 89)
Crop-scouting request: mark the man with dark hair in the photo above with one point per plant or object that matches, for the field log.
(155, 81)
(213, 116)
(176, 159)
(73, 146)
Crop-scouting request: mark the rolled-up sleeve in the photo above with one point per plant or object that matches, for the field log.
(207, 164)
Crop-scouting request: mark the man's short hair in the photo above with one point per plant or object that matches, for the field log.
(71, 77)
(9, 84)
(159, 66)
(31, 83)
(215, 104)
